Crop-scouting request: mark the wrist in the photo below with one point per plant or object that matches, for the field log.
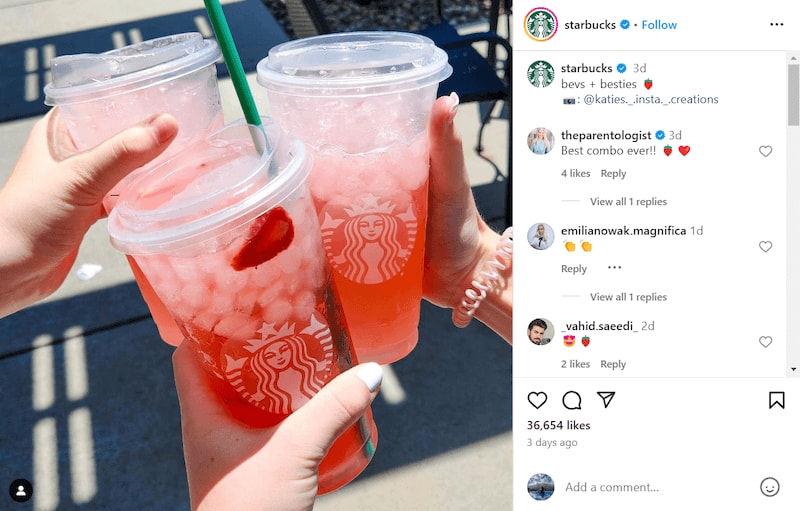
(22, 272)
(496, 309)
(15, 284)
(487, 293)
(486, 242)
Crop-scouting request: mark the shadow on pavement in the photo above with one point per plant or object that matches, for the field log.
(93, 420)
(458, 388)
(91, 414)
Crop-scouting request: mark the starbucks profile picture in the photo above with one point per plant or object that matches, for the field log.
(541, 24)
(541, 486)
(541, 74)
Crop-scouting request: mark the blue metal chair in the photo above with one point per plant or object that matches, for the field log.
(477, 78)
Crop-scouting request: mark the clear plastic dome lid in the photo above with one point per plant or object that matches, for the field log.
(353, 64)
(87, 76)
(207, 188)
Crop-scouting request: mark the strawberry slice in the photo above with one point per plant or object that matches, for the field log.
(270, 234)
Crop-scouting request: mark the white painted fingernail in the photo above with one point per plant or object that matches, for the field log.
(371, 374)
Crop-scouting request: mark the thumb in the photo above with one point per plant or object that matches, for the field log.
(103, 166)
(196, 395)
(317, 424)
(449, 180)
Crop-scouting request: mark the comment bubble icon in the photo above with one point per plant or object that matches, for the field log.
(571, 400)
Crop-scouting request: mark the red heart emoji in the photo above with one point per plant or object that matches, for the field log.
(684, 149)
(667, 150)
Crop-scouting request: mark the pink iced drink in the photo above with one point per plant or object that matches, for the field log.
(373, 228)
(361, 101)
(226, 312)
(250, 288)
(99, 95)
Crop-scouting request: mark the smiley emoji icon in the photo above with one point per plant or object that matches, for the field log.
(770, 487)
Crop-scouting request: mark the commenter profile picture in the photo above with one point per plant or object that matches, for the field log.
(540, 331)
(540, 140)
(540, 236)
(541, 24)
(541, 486)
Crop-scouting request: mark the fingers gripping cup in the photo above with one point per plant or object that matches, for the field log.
(230, 241)
(99, 95)
(361, 102)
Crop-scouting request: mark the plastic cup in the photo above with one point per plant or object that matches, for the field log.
(361, 102)
(101, 94)
(230, 242)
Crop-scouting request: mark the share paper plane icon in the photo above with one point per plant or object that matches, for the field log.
(606, 397)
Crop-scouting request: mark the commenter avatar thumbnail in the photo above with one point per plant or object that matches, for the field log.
(541, 486)
(541, 24)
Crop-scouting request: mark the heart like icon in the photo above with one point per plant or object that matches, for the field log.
(765, 150)
(765, 246)
(684, 149)
(764, 340)
(537, 399)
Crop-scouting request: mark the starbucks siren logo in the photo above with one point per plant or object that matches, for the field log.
(541, 74)
(282, 369)
(541, 24)
(369, 242)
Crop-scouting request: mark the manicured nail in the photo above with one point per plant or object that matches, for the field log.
(163, 125)
(454, 101)
(371, 374)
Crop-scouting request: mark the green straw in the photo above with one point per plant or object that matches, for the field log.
(234, 63)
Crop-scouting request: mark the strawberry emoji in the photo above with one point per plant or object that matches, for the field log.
(648, 83)
(667, 150)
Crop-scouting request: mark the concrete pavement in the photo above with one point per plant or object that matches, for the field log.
(89, 411)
